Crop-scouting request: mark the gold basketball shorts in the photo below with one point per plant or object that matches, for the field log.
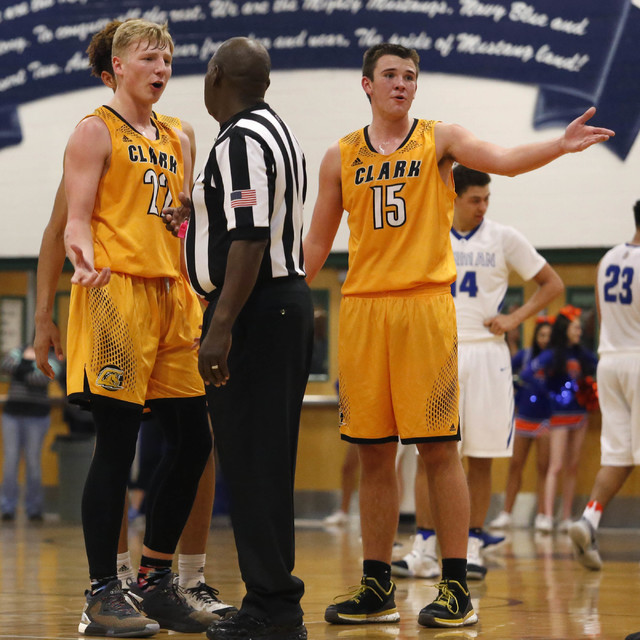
(398, 367)
(133, 340)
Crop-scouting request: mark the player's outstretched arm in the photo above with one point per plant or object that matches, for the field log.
(579, 136)
(455, 143)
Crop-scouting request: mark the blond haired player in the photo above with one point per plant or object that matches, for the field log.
(132, 318)
(192, 557)
(397, 343)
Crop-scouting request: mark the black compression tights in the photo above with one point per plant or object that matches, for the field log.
(174, 485)
(117, 427)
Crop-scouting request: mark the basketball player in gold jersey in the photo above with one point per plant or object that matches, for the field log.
(131, 322)
(397, 343)
(192, 557)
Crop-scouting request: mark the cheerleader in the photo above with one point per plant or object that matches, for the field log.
(533, 411)
(566, 368)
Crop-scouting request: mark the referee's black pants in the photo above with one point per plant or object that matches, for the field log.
(256, 420)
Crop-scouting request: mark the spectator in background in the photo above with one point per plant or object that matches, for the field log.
(565, 367)
(533, 412)
(25, 422)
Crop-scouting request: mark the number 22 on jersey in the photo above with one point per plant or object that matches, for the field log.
(159, 184)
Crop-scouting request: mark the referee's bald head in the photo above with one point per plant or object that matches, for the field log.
(245, 64)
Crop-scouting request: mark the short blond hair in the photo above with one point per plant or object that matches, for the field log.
(136, 31)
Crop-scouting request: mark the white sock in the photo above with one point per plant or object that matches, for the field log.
(191, 569)
(593, 513)
(125, 570)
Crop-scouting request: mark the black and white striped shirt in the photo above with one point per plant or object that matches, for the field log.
(252, 187)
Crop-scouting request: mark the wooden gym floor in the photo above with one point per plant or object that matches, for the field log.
(534, 589)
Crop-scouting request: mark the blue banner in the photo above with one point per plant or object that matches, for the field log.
(572, 48)
(617, 98)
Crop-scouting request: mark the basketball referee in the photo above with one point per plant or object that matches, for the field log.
(244, 254)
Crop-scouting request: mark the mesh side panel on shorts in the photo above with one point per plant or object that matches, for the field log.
(343, 403)
(112, 344)
(442, 408)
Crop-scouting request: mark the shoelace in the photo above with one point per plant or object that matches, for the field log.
(204, 593)
(175, 594)
(357, 592)
(445, 597)
(116, 601)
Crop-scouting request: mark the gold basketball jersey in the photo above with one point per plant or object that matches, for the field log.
(400, 214)
(171, 121)
(143, 177)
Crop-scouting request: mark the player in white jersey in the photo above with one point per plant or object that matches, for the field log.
(485, 253)
(618, 301)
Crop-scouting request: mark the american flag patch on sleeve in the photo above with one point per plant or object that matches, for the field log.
(243, 198)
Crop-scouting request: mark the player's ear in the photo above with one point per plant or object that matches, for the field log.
(366, 85)
(116, 63)
(108, 79)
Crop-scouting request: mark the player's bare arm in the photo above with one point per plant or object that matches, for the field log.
(550, 286)
(86, 160)
(456, 144)
(50, 262)
(327, 213)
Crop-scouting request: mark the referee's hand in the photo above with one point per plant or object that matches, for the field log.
(212, 358)
(174, 216)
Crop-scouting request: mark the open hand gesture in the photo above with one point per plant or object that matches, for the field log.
(578, 136)
(85, 274)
